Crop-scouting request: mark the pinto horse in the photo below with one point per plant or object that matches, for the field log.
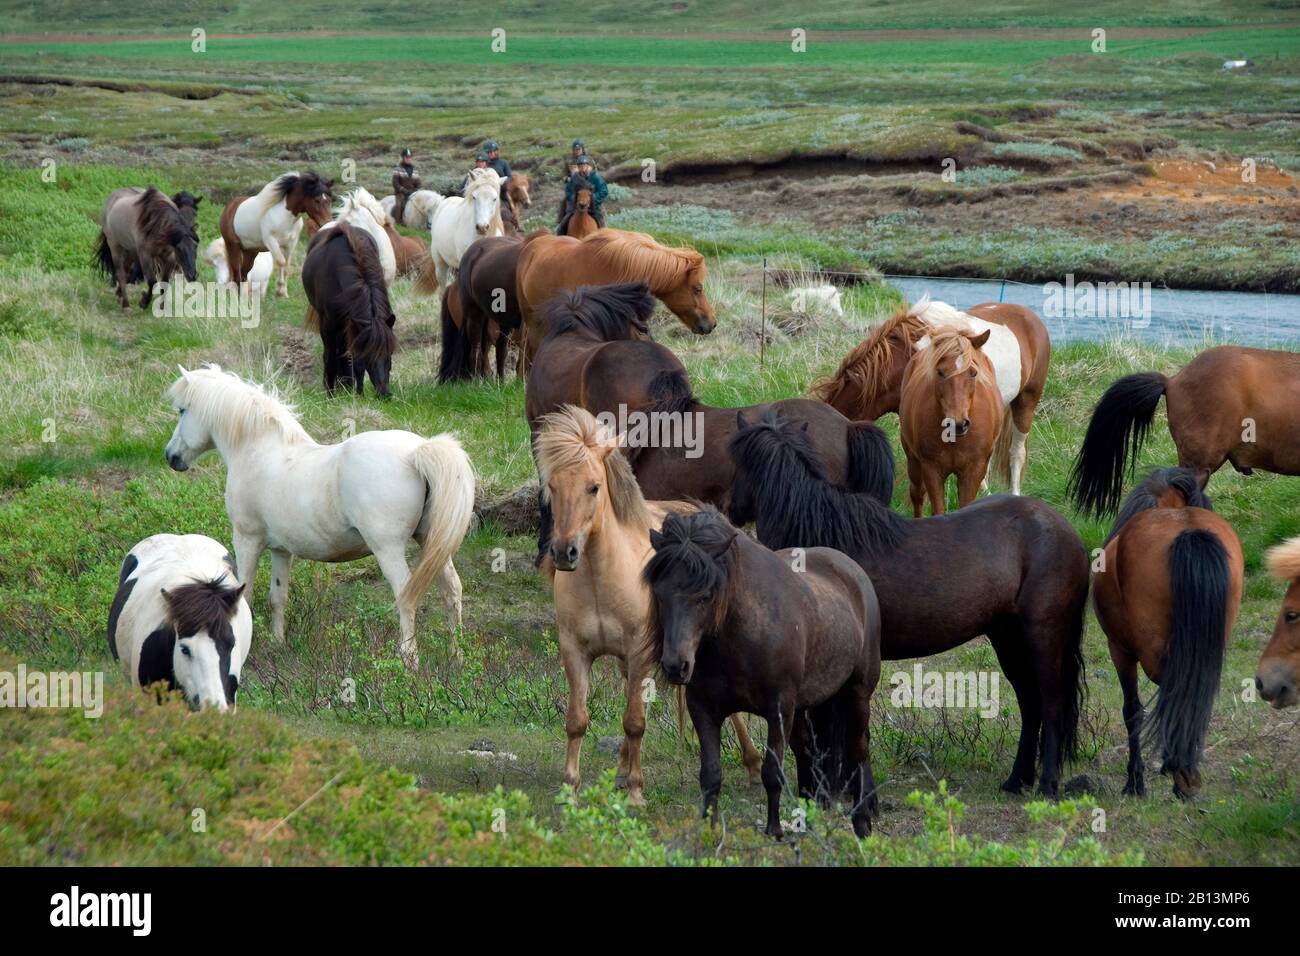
(1167, 591)
(1278, 674)
(370, 494)
(1228, 404)
(950, 416)
(1006, 566)
(869, 381)
(347, 303)
(582, 223)
(269, 222)
(746, 630)
(144, 235)
(600, 547)
(550, 264)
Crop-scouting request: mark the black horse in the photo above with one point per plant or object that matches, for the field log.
(1006, 566)
(348, 304)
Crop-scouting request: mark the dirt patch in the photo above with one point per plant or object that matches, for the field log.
(1201, 183)
(181, 92)
(794, 166)
(298, 356)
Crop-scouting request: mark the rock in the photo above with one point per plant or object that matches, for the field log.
(484, 744)
(1083, 783)
(609, 745)
(514, 512)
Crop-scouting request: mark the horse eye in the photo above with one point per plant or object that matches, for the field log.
(972, 373)
(1292, 616)
(594, 489)
(185, 650)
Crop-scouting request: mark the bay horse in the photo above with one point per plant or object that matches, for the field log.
(869, 381)
(144, 235)
(1007, 566)
(1167, 591)
(1229, 403)
(180, 616)
(369, 494)
(270, 222)
(745, 630)
(348, 304)
(1278, 674)
(597, 554)
(582, 223)
(550, 264)
(949, 415)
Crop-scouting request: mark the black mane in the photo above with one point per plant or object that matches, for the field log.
(607, 313)
(205, 606)
(313, 184)
(1147, 495)
(702, 545)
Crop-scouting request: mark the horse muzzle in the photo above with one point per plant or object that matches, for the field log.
(176, 462)
(565, 555)
(481, 230)
(1278, 687)
(704, 325)
(677, 671)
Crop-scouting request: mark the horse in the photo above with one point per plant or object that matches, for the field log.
(347, 303)
(1228, 404)
(550, 264)
(517, 192)
(179, 616)
(949, 415)
(409, 254)
(597, 355)
(269, 222)
(362, 211)
(419, 208)
(1278, 674)
(143, 235)
(582, 223)
(869, 381)
(457, 222)
(370, 494)
(600, 547)
(258, 278)
(1167, 590)
(744, 629)
(1007, 566)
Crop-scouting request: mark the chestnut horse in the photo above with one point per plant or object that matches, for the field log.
(411, 254)
(1167, 590)
(869, 381)
(269, 222)
(792, 636)
(582, 223)
(1008, 567)
(949, 416)
(550, 264)
(517, 192)
(600, 547)
(1278, 674)
(1228, 404)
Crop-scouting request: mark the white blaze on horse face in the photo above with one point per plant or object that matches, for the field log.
(196, 666)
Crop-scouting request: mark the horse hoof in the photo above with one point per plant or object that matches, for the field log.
(1132, 789)
(1014, 785)
(635, 798)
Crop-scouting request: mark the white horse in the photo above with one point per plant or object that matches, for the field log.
(259, 278)
(458, 222)
(419, 209)
(179, 616)
(362, 210)
(270, 222)
(370, 494)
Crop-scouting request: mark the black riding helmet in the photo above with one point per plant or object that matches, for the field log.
(491, 146)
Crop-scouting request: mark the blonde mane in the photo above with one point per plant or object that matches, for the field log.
(234, 409)
(1284, 560)
(570, 438)
(360, 198)
(865, 366)
(633, 256)
(951, 342)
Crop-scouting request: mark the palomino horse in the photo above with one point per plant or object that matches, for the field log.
(600, 547)
(179, 616)
(370, 494)
(870, 379)
(457, 222)
(347, 303)
(362, 211)
(1278, 674)
(144, 235)
(419, 208)
(269, 222)
(1228, 404)
(1167, 591)
(792, 636)
(1006, 566)
(551, 263)
(949, 417)
(582, 223)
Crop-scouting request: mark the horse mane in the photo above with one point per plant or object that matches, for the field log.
(569, 438)
(361, 198)
(797, 504)
(704, 543)
(237, 409)
(1284, 560)
(205, 606)
(631, 256)
(158, 218)
(606, 313)
(950, 342)
(1147, 495)
(865, 365)
(186, 200)
(370, 317)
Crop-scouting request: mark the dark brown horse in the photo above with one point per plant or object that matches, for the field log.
(1278, 675)
(1005, 566)
(1228, 404)
(1167, 591)
(143, 236)
(348, 304)
(791, 637)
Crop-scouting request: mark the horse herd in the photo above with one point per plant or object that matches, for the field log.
(640, 538)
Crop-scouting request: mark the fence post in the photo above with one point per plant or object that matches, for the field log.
(762, 335)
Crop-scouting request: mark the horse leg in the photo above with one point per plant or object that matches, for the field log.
(281, 267)
(967, 485)
(147, 273)
(501, 345)
(449, 587)
(121, 276)
(248, 551)
(779, 720)
(934, 488)
(392, 561)
(1126, 667)
(577, 669)
(802, 741)
(857, 755)
(749, 754)
(915, 487)
(1009, 644)
(634, 731)
(1022, 419)
(280, 563)
(709, 729)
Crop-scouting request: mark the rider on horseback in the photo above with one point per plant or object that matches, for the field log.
(585, 177)
(578, 150)
(502, 168)
(405, 182)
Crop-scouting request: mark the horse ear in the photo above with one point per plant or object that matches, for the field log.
(231, 598)
(803, 427)
(740, 420)
(979, 340)
(723, 543)
(657, 540)
(185, 373)
(608, 442)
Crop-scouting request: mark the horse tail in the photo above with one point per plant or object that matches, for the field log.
(871, 461)
(452, 366)
(448, 508)
(103, 257)
(371, 331)
(1189, 679)
(311, 321)
(1002, 447)
(1115, 435)
(1074, 681)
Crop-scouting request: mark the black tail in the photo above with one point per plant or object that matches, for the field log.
(1074, 681)
(871, 462)
(1115, 435)
(454, 363)
(1189, 676)
(103, 258)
